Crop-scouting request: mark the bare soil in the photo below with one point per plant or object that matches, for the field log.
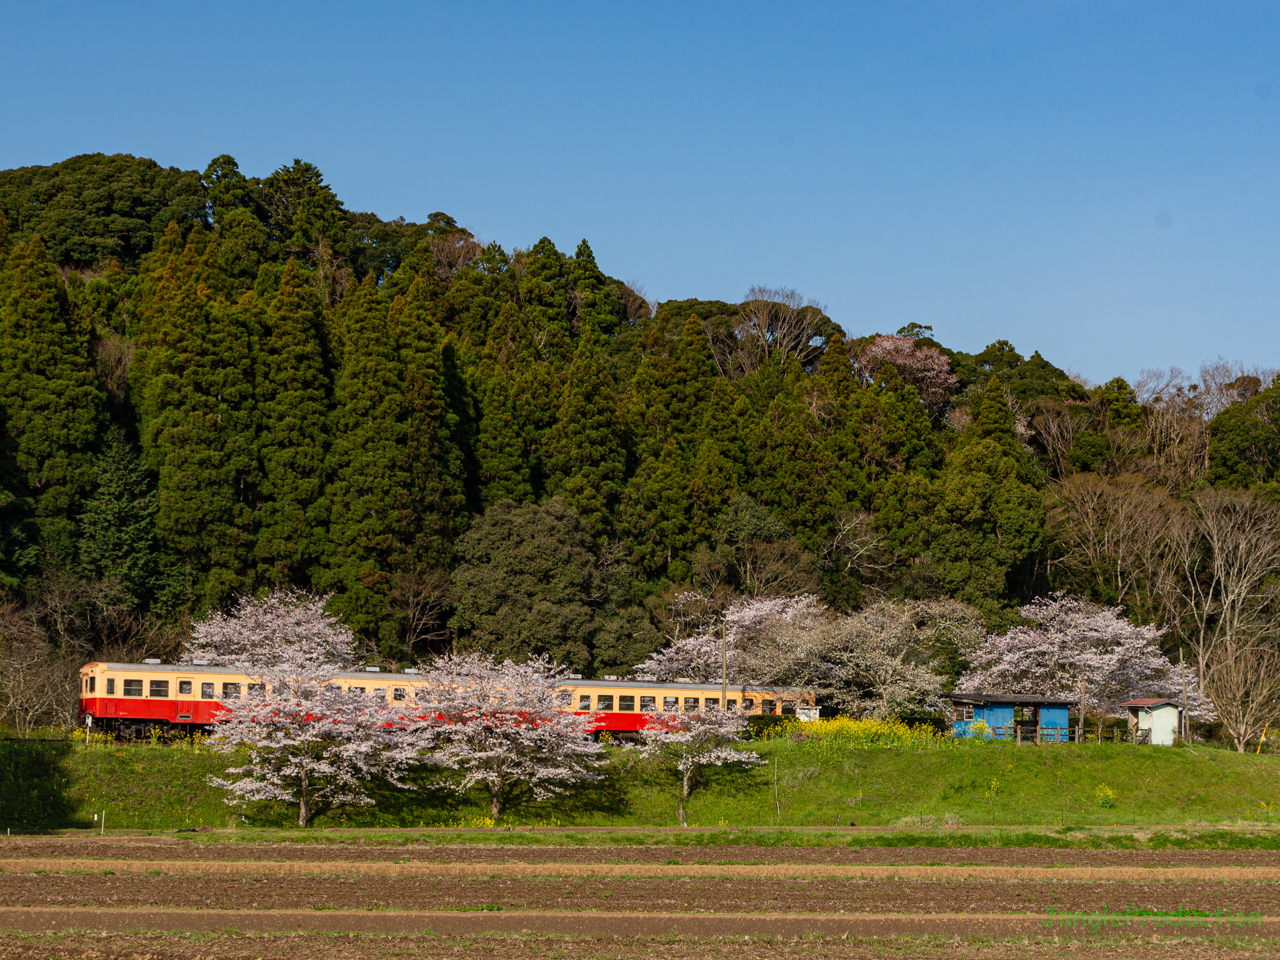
(181, 848)
(634, 895)
(552, 947)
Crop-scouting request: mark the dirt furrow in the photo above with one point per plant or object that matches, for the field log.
(761, 871)
(652, 895)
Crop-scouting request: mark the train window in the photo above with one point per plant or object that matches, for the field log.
(159, 688)
(133, 688)
(206, 691)
(748, 705)
(648, 705)
(788, 708)
(398, 693)
(690, 704)
(713, 703)
(230, 691)
(92, 684)
(584, 702)
(768, 707)
(258, 691)
(627, 703)
(604, 701)
(380, 693)
(184, 688)
(111, 686)
(670, 704)
(731, 704)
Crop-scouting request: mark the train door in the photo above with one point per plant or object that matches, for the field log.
(186, 697)
(109, 701)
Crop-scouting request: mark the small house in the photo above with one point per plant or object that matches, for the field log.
(1162, 719)
(1008, 715)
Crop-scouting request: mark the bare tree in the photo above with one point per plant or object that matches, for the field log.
(1110, 534)
(452, 251)
(777, 323)
(1241, 675)
(37, 681)
(1220, 584)
(420, 600)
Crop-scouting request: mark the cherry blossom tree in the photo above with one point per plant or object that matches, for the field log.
(284, 627)
(1072, 642)
(310, 738)
(692, 742)
(700, 656)
(504, 727)
(925, 368)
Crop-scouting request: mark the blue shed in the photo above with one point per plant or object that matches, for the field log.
(1005, 715)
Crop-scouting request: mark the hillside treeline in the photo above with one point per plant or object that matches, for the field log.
(214, 384)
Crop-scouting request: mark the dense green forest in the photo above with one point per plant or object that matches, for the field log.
(213, 384)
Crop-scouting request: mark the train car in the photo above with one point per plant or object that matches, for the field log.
(134, 699)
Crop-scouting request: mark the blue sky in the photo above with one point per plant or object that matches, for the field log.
(1094, 180)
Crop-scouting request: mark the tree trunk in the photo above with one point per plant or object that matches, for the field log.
(304, 809)
(495, 807)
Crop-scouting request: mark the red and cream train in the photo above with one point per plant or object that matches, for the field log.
(134, 699)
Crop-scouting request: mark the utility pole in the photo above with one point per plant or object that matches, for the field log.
(724, 663)
(1080, 725)
(1186, 720)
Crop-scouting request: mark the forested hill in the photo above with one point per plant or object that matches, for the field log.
(212, 384)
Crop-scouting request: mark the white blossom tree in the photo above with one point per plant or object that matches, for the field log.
(884, 660)
(925, 368)
(700, 656)
(309, 739)
(692, 742)
(505, 728)
(1073, 642)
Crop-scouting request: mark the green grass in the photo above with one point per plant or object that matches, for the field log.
(1049, 787)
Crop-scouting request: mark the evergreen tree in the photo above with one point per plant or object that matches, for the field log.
(48, 392)
(118, 537)
(500, 447)
(197, 409)
(654, 515)
(292, 397)
(369, 475)
(585, 455)
(433, 503)
(989, 519)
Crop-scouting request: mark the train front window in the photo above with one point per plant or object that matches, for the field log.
(670, 704)
(159, 688)
(231, 691)
(206, 691)
(627, 704)
(111, 686)
(648, 705)
(184, 688)
(133, 688)
(92, 684)
(604, 701)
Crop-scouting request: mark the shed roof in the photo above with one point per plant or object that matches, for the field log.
(1009, 698)
(1149, 702)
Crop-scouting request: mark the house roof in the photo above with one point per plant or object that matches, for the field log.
(1149, 702)
(1008, 698)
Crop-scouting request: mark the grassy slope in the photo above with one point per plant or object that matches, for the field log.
(162, 788)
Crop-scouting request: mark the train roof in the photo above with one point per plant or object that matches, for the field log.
(411, 677)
